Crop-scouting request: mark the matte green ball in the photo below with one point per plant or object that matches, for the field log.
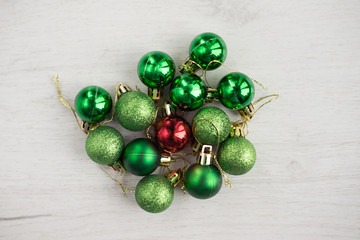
(141, 157)
(156, 69)
(93, 104)
(235, 90)
(135, 111)
(203, 181)
(236, 156)
(188, 92)
(207, 47)
(206, 122)
(104, 145)
(154, 193)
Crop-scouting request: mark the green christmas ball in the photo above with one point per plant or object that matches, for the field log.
(207, 121)
(156, 69)
(135, 111)
(154, 193)
(236, 155)
(207, 47)
(203, 181)
(141, 157)
(235, 90)
(93, 104)
(104, 145)
(188, 92)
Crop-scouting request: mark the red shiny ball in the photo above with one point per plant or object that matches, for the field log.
(172, 133)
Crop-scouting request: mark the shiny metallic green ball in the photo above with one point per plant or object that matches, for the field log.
(154, 193)
(207, 47)
(135, 111)
(141, 157)
(206, 122)
(188, 92)
(236, 156)
(93, 104)
(235, 90)
(104, 145)
(156, 69)
(203, 181)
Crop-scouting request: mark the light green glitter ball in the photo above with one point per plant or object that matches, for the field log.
(135, 111)
(207, 121)
(104, 145)
(236, 156)
(154, 193)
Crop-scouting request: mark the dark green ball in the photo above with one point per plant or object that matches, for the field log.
(156, 69)
(203, 125)
(93, 104)
(141, 157)
(203, 181)
(104, 145)
(236, 156)
(135, 111)
(188, 92)
(235, 90)
(154, 193)
(207, 47)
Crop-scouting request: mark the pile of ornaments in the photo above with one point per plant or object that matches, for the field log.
(137, 111)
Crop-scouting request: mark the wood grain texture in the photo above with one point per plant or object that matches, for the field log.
(306, 182)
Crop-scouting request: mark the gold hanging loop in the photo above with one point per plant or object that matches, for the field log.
(84, 126)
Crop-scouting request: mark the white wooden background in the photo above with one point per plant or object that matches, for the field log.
(306, 182)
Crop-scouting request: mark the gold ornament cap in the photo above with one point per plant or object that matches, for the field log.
(206, 155)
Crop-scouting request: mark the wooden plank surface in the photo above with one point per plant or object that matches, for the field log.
(306, 182)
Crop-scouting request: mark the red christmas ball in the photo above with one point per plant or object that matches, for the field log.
(172, 133)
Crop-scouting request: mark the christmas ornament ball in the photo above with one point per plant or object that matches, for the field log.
(156, 69)
(203, 181)
(135, 111)
(93, 104)
(141, 157)
(207, 121)
(104, 145)
(236, 156)
(154, 193)
(172, 133)
(188, 92)
(235, 90)
(207, 47)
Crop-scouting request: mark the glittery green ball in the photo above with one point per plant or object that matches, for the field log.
(236, 156)
(154, 193)
(203, 181)
(141, 157)
(207, 47)
(93, 104)
(135, 111)
(104, 145)
(206, 122)
(235, 90)
(156, 69)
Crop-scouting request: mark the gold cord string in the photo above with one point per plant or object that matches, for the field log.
(272, 97)
(226, 180)
(137, 88)
(183, 170)
(66, 103)
(152, 124)
(118, 181)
